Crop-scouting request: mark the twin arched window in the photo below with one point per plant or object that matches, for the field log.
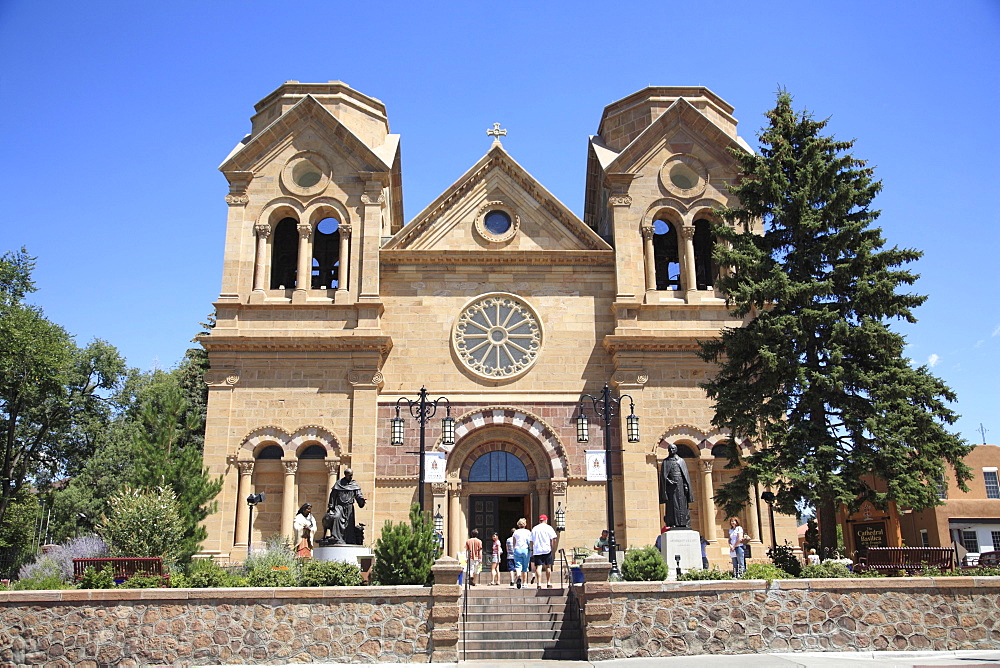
(325, 255)
(667, 251)
(314, 451)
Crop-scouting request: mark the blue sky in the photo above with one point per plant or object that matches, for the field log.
(114, 117)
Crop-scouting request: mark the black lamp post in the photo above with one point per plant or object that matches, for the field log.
(252, 501)
(423, 410)
(606, 407)
(768, 497)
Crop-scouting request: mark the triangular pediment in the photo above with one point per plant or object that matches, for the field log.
(308, 118)
(496, 181)
(682, 128)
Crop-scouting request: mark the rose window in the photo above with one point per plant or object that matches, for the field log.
(497, 336)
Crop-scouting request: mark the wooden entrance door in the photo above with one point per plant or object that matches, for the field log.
(499, 514)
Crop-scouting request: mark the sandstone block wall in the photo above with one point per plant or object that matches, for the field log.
(633, 619)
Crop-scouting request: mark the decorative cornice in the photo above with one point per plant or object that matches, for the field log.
(237, 200)
(380, 344)
(668, 342)
(498, 257)
(559, 488)
(620, 200)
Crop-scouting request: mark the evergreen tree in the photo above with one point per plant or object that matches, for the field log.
(405, 552)
(815, 374)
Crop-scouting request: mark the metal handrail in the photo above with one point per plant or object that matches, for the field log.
(564, 571)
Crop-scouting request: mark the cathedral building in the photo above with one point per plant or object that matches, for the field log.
(335, 312)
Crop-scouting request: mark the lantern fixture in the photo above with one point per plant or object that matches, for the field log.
(396, 427)
(439, 521)
(448, 429)
(632, 426)
(560, 518)
(582, 427)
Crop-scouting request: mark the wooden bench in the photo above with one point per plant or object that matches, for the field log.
(986, 559)
(122, 568)
(891, 560)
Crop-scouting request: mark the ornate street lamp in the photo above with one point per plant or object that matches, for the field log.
(252, 501)
(560, 518)
(768, 497)
(423, 410)
(606, 407)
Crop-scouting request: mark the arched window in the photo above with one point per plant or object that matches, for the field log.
(498, 466)
(326, 255)
(284, 254)
(723, 450)
(704, 267)
(685, 452)
(314, 451)
(666, 257)
(271, 452)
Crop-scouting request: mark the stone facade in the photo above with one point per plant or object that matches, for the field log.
(306, 374)
(641, 619)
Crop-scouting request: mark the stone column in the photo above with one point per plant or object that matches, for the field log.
(365, 383)
(373, 201)
(544, 500)
(456, 537)
(289, 497)
(260, 260)
(445, 610)
(753, 518)
(242, 527)
(628, 247)
(303, 275)
(345, 262)
(648, 258)
(707, 505)
(687, 258)
(332, 473)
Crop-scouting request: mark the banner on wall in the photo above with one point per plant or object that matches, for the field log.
(433, 467)
(596, 469)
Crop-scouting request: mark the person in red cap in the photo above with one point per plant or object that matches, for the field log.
(543, 545)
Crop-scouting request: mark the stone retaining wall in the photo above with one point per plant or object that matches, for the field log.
(632, 619)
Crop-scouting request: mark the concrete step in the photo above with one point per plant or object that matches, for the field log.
(537, 654)
(508, 625)
(527, 606)
(514, 643)
(533, 637)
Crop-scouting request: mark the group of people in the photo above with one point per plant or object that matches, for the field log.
(535, 547)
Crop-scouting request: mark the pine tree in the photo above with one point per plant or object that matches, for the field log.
(405, 553)
(815, 374)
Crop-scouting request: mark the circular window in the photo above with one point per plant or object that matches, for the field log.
(496, 222)
(497, 336)
(306, 174)
(684, 176)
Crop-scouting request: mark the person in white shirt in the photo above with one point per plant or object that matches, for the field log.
(511, 565)
(543, 544)
(304, 526)
(522, 537)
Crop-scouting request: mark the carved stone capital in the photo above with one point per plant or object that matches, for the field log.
(373, 198)
(237, 200)
(365, 378)
(559, 488)
(629, 378)
(542, 486)
(246, 467)
(456, 486)
(263, 230)
(647, 232)
(706, 465)
(439, 488)
(221, 377)
(620, 200)
(290, 467)
(345, 230)
(687, 232)
(333, 466)
(305, 230)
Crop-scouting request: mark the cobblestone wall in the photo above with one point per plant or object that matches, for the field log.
(211, 626)
(631, 619)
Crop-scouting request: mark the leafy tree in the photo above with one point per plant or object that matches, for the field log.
(168, 453)
(143, 523)
(52, 393)
(405, 552)
(816, 374)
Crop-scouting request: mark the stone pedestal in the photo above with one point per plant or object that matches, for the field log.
(348, 554)
(683, 542)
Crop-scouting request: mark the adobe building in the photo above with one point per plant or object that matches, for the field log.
(969, 520)
(496, 297)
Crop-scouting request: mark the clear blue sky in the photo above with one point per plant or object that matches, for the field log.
(115, 115)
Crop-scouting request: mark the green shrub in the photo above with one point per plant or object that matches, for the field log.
(205, 573)
(97, 578)
(784, 558)
(42, 581)
(705, 574)
(139, 581)
(330, 574)
(272, 576)
(645, 564)
(767, 572)
(405, 552)
(143, 523)
(827, 569)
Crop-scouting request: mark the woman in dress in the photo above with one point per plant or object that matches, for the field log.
(736, 552)
(495, 560)
(305, 529)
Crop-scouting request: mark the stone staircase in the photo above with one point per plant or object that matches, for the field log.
(504, 623)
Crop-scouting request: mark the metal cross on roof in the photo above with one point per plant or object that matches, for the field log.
(496, 132)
